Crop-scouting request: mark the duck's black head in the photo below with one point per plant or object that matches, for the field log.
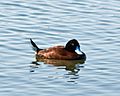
(73, 46)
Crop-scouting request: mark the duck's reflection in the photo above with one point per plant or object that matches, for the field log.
(73, 66)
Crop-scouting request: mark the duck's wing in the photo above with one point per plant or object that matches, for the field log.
(57, 52)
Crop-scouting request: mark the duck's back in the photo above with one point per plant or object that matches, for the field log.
(57, 52)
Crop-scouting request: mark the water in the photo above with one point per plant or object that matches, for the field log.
(95, 23)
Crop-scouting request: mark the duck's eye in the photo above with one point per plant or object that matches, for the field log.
(72, 44)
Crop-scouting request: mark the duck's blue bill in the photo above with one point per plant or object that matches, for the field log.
(78, 51)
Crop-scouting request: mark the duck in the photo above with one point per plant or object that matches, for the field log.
(71, 51)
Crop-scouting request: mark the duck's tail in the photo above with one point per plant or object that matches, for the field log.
(34, 46)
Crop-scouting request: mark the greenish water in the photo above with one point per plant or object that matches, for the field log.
(95, 24)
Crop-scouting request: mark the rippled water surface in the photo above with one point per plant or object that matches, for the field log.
(95, 23)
